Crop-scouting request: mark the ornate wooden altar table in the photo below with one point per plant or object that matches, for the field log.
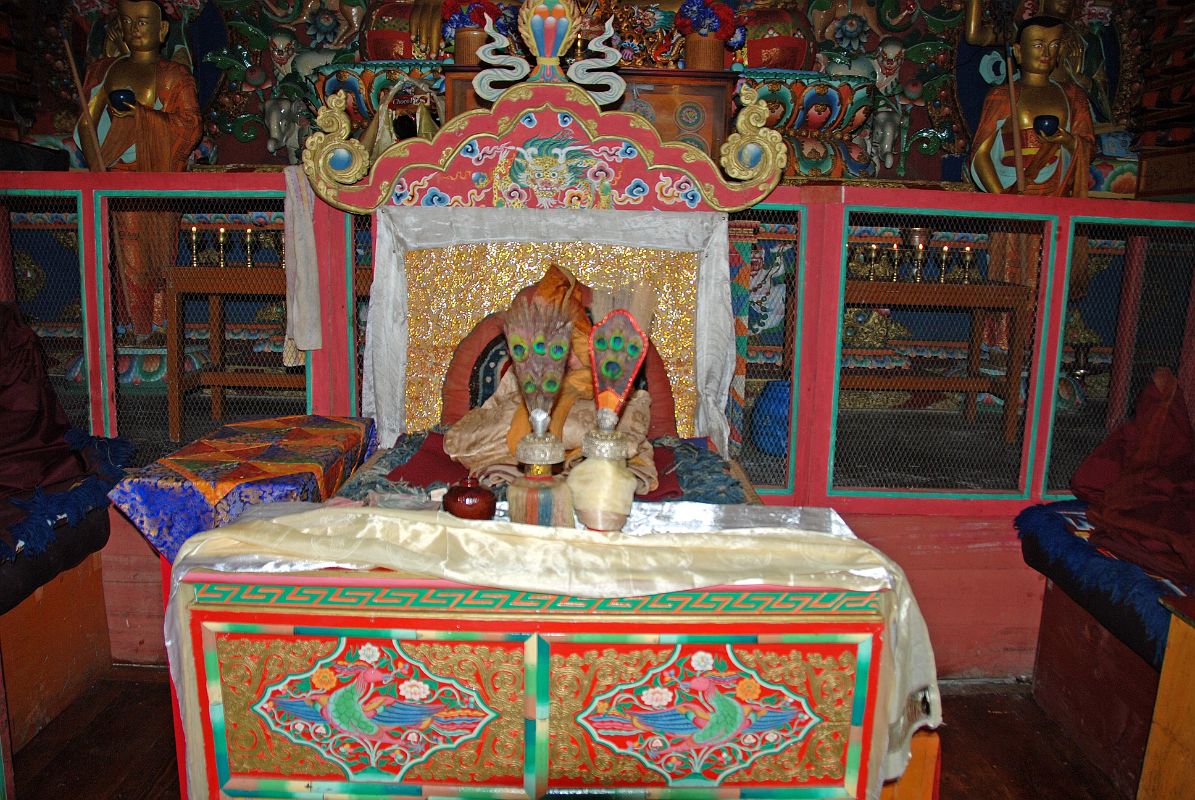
(299, 681)
(981, 300)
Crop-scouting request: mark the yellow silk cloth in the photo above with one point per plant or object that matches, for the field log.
(566, 561)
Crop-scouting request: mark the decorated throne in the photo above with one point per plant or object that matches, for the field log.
(368, 651)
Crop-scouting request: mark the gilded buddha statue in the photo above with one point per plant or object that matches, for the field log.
(1052, 119)
(146, 119)
(1080, 57)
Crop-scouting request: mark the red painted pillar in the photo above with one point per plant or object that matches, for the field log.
(329, 373)
(815, 395)
(1049, 325)
(1125, 343)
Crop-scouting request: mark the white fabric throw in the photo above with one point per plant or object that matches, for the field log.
(401, 229)
(303, 330)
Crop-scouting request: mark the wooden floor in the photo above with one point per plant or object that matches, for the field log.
(118, 742)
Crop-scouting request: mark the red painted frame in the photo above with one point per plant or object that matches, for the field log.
(825, 208)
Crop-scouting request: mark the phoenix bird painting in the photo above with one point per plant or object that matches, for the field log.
(374, 718)
(698, 720)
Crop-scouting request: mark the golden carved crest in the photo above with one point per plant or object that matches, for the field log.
(754, 150)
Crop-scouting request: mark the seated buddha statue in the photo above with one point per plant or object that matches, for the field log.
(484, 439)
(1081, 58)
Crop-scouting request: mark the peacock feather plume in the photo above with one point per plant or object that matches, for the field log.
(617, 348)
(537, 336)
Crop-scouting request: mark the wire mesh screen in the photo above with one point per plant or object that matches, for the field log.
(199, 306)
(764, 245)
(1128, 310)
(362, 244)
(39, 270)
(936, 344)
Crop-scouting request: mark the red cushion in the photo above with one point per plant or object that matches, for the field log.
(429, 464)
(668, 487)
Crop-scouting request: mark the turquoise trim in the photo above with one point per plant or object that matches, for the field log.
(1024, 490)
(263, 193)
(1127, 221)
(307, 382)
(944, 212)
(85, 311)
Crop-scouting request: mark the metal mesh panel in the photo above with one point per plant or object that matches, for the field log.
(763, 262)
(216, 267)
(1127, 312)
(39, 267)
(934, 360)
(362, 245)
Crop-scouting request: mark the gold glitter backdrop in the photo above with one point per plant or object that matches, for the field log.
(451, 289)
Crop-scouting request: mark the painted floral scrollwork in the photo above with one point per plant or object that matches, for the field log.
(332, 158)
(754, 152)
(497, 674)
(576, 677)
(828, 681)
(246, 664)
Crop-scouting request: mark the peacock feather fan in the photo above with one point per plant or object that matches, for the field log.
(537, 337)
(617, 347)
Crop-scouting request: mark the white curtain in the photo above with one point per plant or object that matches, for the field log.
(401, 229)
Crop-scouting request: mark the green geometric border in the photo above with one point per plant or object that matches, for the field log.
(440, 599)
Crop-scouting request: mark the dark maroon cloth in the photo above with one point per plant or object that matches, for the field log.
(429, 465)
(668, 487)
(1140, 485)
(33, 450)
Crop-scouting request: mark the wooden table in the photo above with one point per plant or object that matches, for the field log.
(217, 283)
(981, 300)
